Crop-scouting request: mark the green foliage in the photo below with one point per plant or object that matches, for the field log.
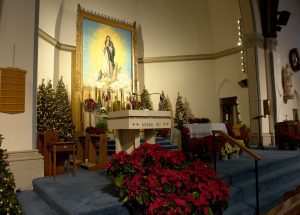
(62, 114)
(49, 107)
(163, 103)
(102, 123)
(99, 104)
(180, 112)
(41, 117)
(8, 200)
(145, 99)
(53, 109)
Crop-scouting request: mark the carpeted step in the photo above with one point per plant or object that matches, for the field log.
(159, 139)
(242, 169)
(87, 193)
(278, 172)
(239, 209)
(164, 142)
(273, 197)
(271, 181)
(33, 204)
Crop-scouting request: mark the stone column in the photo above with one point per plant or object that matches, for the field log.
(270, 45)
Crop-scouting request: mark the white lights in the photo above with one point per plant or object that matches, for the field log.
(240, 43)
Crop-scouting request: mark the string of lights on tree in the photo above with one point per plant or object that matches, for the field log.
(180, 112)
(62, 113)
(53, 109)
(8, 200)
(163, 103)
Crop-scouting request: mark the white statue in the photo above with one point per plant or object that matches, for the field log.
(287, 84)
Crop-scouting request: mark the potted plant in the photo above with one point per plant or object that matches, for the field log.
(157, 181)
(226, 151)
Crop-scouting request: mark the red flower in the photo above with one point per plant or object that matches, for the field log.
(161, 182)
(180, 202)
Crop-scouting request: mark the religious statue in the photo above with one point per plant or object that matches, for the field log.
(287, 84)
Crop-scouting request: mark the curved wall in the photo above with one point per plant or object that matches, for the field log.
(165, 28)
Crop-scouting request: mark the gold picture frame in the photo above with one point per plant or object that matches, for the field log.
(105, 59)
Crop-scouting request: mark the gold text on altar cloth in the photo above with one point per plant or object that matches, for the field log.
(147, 124)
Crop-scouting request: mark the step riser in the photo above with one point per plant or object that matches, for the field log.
(262, 170)
(245, 193)
(54, 205)
(278, 165)
(270, 185)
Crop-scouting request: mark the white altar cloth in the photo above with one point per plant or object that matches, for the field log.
(200, 130)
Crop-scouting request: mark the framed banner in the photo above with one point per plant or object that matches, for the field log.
(105, 59)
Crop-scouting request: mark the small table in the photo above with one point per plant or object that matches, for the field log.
(55, 147)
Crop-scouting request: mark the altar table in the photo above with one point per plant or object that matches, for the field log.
(199, 130)
(127, 125)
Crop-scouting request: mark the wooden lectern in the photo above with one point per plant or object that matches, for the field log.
(127, 125)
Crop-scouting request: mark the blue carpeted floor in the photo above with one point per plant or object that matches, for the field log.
(90, 192)
(93, 193)
(279, 172)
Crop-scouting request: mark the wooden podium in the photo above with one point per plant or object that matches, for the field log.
(127, 125)
(90, 153)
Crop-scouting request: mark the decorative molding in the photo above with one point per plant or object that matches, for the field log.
(55, 43)
(213, 56)
(94, 13)
(26, 166)
(270, 43)
(24, 155)
(249, 41)
(253, 40)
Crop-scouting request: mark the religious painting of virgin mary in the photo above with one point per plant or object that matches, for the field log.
(104, 60)
(107, 56)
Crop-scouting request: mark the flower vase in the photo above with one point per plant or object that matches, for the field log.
(234, 155)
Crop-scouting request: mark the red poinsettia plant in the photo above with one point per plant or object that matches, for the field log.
(162, 182)
(204, 144)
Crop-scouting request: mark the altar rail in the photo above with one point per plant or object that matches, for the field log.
(245, 149)
(242, 147)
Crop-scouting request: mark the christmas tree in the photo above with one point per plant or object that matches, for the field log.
(62, 114)
(180, 112)
(163, 103)
(8, 201)
(49, 105)
(41, 118)
(136, 104)
(145, 99)
(99, 104)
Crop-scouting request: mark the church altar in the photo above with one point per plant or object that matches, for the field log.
(127, 125)
(199, 130)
